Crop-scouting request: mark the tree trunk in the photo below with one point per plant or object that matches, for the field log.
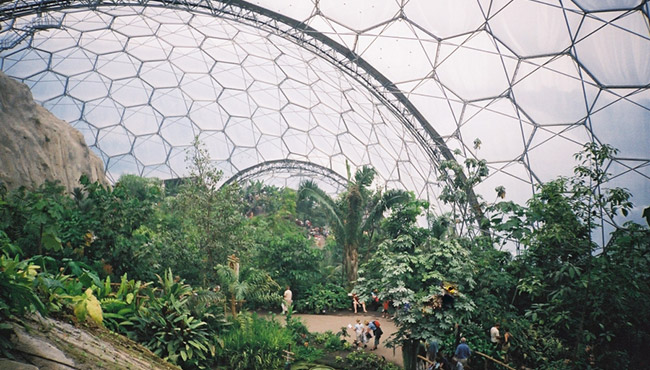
(233, 305)
(409, 353)
(351, 262)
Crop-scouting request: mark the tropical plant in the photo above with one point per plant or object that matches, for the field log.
(17, 295)
(423, 277)
(253, 285)
(210, 214)
(361, 360)
(284, 251)
(254, 343)
(323, 298)
(356, 212)
(166, 326)
(458, 190)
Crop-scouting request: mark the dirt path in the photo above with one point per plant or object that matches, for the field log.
(323, 323)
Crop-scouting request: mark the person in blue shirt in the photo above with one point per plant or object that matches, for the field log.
(377, 332)
(462, 353)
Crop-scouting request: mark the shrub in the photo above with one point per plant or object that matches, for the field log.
(17, 295)
(254, 343)
(321, 298)
(360, 360)
(166, 326)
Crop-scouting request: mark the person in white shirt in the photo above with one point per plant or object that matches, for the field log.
(495, 337)
(287, 300)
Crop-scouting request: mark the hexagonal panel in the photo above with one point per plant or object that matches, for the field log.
(616, 53)
(46, 85)
(88, 86)
(551, 91)
(397, 50)
(150, 149)
(237, 103)
(533, 28)
(473, 67)
(102, 41)
(359, 15)
(142, 120)
(441, 18)
(170, 102)
(131, 92)
(73, 61)
(117, 65)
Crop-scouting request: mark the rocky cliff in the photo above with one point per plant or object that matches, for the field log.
(36, 146)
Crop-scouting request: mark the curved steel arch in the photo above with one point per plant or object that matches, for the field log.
(297, 32)
(287, 165)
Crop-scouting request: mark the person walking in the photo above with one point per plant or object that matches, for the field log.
(358, 330)
(376, 331)
(432, 349)
(287, 299)
(495, 336)
(462, 354)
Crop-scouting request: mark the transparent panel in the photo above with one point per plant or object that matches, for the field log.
(474, 69)
(397, 51)
(597, 5)
(532, 28)
(616, 56)
(46, 85)
(551, 91)
(442, 17)
(359, 15)
(65, 107)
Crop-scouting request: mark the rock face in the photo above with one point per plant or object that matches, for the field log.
(36, 146)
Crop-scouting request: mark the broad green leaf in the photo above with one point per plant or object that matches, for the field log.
(51, 242)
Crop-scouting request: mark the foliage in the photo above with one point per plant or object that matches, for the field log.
(458, 189)
(121, 308)
(261, 199)
(355, 215)
(323, 298)
(166, 326)
(253, 285)
(254, 343)
(283, 250)
(87, 305)
(575, 303)
(210, 215)
(361, 360)
(16, 293)
(331, 342)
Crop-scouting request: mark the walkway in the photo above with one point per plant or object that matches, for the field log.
(334, 323)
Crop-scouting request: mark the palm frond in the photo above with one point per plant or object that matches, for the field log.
(387, 200)
(309, 190)
(364, 176)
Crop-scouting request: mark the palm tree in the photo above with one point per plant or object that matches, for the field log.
(356, 212)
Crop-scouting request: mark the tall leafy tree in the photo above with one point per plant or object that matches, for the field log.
(211, 215)
(412, 269)
(355, 214)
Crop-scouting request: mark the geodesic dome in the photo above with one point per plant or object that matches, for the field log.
(283, 89)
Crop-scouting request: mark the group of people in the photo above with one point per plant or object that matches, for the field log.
(365, 331)
(438, 360)
(375, 303)
(501, 343)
